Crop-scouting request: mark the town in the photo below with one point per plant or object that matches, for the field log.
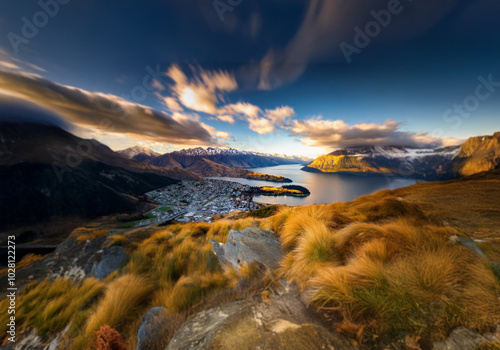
(198, 201)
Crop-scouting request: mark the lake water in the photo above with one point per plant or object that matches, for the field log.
(325, 188)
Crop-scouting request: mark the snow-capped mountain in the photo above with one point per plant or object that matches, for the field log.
(214, 151)
(388, 160)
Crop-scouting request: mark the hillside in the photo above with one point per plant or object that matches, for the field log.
(205, 167)
(476, 155)
(139, 153)
(53, 174)
(412, 268)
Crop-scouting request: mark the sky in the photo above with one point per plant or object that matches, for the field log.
(296, 77)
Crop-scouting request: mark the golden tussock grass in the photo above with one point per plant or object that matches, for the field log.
(26, 261)
(314, 249)
(50, 306)
(92, 234)
(124, 301)
(406, 280)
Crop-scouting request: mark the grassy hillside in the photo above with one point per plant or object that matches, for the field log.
(350, 164)
(383, 268)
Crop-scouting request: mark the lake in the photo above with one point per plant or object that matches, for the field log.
(325, 188)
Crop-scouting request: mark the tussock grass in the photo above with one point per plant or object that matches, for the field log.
(296, 224)
(92, 234)
(124, 301)
(50, 306)
(26, 261)
(407, 280)
(314, 249)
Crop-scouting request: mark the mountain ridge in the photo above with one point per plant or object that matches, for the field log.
(477, 154)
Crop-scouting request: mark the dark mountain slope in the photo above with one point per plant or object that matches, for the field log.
(48, 173)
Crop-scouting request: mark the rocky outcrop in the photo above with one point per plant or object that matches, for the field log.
(282, 323)
(248, 245)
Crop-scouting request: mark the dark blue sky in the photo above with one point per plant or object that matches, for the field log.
(425, 60)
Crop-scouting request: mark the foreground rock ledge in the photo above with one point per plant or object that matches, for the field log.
(283, 323)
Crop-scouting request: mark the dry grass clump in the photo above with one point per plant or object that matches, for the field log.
(399, 280)
(92, 234)
(488, 345)
(314, 249)
(26, 261)
(50, 306)
(296, 224)
(123, 302)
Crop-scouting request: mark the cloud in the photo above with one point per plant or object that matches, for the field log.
(106, 112)
(326, 24)
(280, 115)
(261, 126)
(258, 121)
(10, 62)
(241, 108)
(225, 118)
(334, 134)
(250, 113)
(202, 93)
(171, 103)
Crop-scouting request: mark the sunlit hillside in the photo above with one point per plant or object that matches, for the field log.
(397, 266)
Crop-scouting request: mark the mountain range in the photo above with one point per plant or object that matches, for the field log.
(215, 161)
(477, 154)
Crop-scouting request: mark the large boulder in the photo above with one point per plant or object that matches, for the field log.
(112, 259)
(282, 323)
(248, 245)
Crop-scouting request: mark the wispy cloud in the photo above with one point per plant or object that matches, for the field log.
(7, 61)
(334, 134)
(107, 113)
(326, 24)
(203, 92)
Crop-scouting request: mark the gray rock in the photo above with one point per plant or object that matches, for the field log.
(250, 244)
(460, 339)
(112, 259)
(282, 323)
(469, 243)
(150, 333)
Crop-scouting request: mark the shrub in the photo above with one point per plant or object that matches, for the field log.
(109, 339)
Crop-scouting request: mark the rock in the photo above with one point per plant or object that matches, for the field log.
(282, 323)
(469, 243)
(460, 339)
(111, 260)
(150, 335)
(250, 244)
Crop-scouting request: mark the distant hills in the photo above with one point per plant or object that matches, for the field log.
(476, 155)
(215, 161)
(49, 173)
